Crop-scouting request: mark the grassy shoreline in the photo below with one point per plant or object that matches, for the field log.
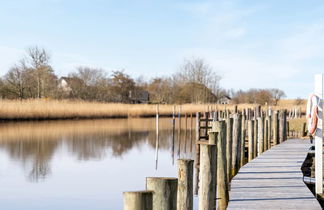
(41, 109)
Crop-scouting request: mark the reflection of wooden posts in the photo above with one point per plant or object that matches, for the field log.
(140, 200)
(157, 138)
(229, 143)
(250, 140)
(242, 149)
(222, 180)
(185, 185)
(165, 192)
(197, 156)
(236, 143)
(275, 127)
(255, 139)
(207, 185)
(260, 136)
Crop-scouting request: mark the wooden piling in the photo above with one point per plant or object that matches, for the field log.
(207, 186)
(229, 143)
(222, 184)
(197, 156)
(236, 144)
(243, 134)
(281, 126)
(185, 185)
(260, 136)
(139, 200)
(165, 192)
(251, 140)
(275, 128)
(256, 143)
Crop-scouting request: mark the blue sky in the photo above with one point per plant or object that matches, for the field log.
(251, 44)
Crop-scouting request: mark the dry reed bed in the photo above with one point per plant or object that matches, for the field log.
(65, 109)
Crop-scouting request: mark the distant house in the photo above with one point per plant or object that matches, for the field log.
(66, 83)
(224, 100)
(63, 84)
(139, 96)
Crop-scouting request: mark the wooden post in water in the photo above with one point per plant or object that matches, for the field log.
(242, 156)
(255, 140)
(197, 156)
(222, 180)
(284, 125)
(251, 140)
(139, 200)
(207, 186)
(165, 192)
(157, 138)
(260, 136)
(185, 185)
(275, 128)
(236, 144)
(229, 143)
(281, 126)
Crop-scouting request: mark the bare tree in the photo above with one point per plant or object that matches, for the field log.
(277, 94)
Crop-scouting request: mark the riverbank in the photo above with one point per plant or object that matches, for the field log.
(41, 109)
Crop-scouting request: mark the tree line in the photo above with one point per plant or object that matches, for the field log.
(194, 82)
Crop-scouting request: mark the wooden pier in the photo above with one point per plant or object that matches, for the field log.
(274, 180)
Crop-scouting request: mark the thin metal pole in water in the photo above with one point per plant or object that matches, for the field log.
(179, 131)
(173, 131)
(157, 137)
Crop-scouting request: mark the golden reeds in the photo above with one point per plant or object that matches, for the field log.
(67, 109)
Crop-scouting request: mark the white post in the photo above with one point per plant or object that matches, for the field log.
(319, 136)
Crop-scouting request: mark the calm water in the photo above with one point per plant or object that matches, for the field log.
(84, 164)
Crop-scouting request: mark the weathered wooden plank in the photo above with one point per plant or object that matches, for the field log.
(274, 180)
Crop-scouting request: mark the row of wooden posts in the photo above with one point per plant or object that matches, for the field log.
(224, 143)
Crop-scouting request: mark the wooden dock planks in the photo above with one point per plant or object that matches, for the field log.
(274, 180)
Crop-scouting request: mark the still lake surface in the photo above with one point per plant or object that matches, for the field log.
(85, 164)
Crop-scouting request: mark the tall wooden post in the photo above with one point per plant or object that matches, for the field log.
(229, 143)
(281, 126)
(140, 200)
(255, 140)
(251, 140)
(275, 128)
(165, 192)
(243, 134)
(236, 144)
(260, 136)
(197, 157)
(318, 90)
(222, 184)
(185, 185)
(207, 186)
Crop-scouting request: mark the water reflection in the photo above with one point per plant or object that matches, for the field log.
(34, 144)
